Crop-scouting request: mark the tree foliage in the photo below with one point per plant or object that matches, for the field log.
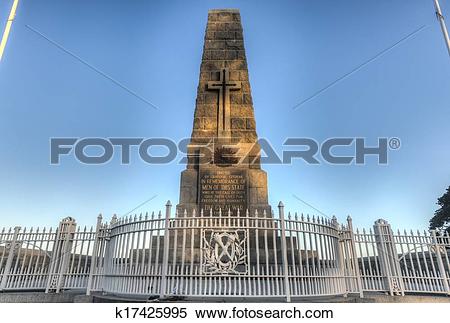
(441, 219)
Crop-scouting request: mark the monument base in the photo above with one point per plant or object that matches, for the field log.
(218, 189)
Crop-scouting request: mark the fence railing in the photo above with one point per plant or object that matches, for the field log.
(227, 255)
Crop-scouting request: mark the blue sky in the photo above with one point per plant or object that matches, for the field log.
(294, 48)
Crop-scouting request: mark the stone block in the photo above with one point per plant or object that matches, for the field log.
(236, 64)
(234, 26)
(212, 65)
(188, 186)
(215, 44)
(253, 198)
(188, 194)
(210, 97)
(224, 26)
(215, 76)
(243, 76)
(250, 124)
(218, 54)
(246, 136)
(258, 196)
(209, 123)
(200, 99)
(206, 55)
(188, 178)
(262, 195)
(203, 134)
(242, 111)
(236, 97)
(213, 16)
(237, 123)
(206, 110)
(205, 76)
(224, 35)
(245, 86)
(257, 178)
(231, 54)
(234, 76)
(225, 16)
(240, 54)
(254, 161)
(247, 98)
(197, 123)
(235, 44)
(212, 26)
(201, 87)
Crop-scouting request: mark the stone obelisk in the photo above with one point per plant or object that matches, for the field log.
(223, 173)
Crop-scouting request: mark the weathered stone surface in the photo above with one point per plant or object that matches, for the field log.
(257, 178)
(236, 98)
(237, 123)
(224, 116)
(250, 123)
(243, 111)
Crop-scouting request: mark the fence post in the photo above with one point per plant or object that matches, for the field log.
(13, 245)
(61, 254)
(355, 263)
(284, 252)
(162, 291)
(95, 255)
(437, 246)
(387, 253)
(110, 246)
(341, 245)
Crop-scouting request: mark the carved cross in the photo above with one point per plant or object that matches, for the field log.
(224, 86)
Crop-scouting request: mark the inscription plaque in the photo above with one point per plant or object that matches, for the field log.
(223, 188)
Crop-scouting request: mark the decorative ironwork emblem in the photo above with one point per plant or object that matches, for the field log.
(224, 252)
(438, 248)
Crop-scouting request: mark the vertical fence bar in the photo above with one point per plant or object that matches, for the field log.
(162, 291)
(12, 250)
(284, 252)
(340, 250)
(94, 254)
(354, 256)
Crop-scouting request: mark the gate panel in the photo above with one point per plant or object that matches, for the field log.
(134, 255)
(25, 258)
(229, 255)
(423, 261)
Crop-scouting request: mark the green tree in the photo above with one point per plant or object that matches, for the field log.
(441, 219)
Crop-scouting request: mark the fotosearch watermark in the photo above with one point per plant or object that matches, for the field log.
(335, 151)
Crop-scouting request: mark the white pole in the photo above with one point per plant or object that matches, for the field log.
(9, 22)
(284, 252)
(440, 17)
(162, 292)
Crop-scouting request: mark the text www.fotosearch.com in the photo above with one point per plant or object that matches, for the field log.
(234, 313)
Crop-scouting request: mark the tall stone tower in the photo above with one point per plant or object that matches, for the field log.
(223, 170)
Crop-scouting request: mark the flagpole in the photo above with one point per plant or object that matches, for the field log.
(440, 17)
(9, 22)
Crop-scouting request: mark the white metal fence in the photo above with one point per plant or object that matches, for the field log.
(229, 255)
